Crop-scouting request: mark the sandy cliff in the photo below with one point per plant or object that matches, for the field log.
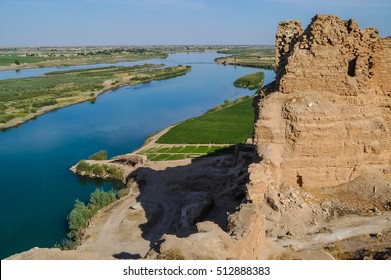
(324, 123)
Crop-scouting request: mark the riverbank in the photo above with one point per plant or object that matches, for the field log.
(39, 57)
(81, 61)
(250, 81)
(158, 191)
(161, 183)
(249, 56)
(118, 122)
(185, 199)
(39, 95)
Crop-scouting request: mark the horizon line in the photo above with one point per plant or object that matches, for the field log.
(131, 45)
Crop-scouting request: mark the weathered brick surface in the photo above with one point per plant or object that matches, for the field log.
(330, 120)
(332, 55)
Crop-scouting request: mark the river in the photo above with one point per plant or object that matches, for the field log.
(38, 190)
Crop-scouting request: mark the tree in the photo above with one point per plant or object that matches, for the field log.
(100, 199)
(79, 216)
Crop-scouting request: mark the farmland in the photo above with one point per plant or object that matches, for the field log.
(23, 99)
(230, 125)
(176, 152)
(249, 56)
(33, 57)
(47, 57)
(217, 132)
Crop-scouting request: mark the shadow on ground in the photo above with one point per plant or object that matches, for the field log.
(176, 198)
(126, 256)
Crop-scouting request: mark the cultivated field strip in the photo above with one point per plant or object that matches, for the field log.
(177, 152)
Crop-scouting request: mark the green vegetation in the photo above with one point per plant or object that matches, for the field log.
(249, 56)
(216, 132)
(50, 57)
(18, 59)
(100, 170)
(81, 214)
(249, 50)
(78, 218)
(28, 97)
(250, 81)
(230, 124)
(30, 57)
(100, 155)
(185, 151)
(227, 103)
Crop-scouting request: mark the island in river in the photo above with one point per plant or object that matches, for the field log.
(39, 57)
(24, 99)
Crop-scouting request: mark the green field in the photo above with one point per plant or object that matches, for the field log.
(6, 60)
(22, 98)
(228, 125)
(19, 58)
(20, 61)
(216, 132)
(249, 56)
(185, 151)
(250, 81)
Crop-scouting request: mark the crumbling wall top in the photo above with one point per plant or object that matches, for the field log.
(330, 55)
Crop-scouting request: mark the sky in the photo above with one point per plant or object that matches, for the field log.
(170, 22)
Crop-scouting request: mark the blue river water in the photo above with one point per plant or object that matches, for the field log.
(37, 190)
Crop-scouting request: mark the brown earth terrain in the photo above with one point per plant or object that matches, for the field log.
(317, 186)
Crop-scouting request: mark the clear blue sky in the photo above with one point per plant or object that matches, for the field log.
(141, 22)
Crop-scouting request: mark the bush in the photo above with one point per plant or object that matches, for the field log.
(83, 166)
(100, 199)
(43, 103)
(80, 215)
(97, 170)
(100, 155)
(114, 172)
(171, 254)
(4, 118)
(100, 170)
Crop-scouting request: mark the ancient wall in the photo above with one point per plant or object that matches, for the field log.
(247, 229)
(382, 64)
(331, 55)
(332, 121)
(287, 34)
(320, 139)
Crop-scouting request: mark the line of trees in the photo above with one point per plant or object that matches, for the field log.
(81, 214)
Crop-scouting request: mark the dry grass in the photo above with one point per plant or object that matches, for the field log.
(171, 254)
